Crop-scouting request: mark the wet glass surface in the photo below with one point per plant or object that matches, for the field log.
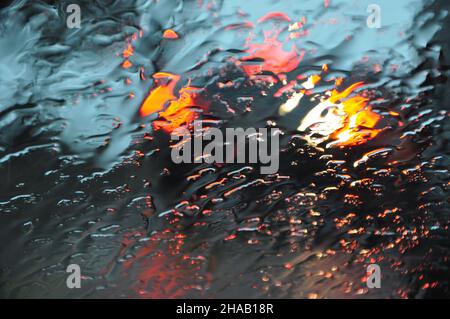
(87, 178)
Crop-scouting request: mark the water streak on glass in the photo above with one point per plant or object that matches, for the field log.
(87, 178)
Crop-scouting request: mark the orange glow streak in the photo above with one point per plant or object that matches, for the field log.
(347, 121)
(274, 15)
(276, 59)
(336, 96)
(271, 51)
(160, 95)
(359, 123)
(246, 24)
(174, 111)
(180, 112)
(338, 81)
(127, 64)
(315, 78)
(128, 51)
(170, 34)
(287, 88)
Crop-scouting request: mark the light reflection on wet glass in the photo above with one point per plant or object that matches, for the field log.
(86, 116)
